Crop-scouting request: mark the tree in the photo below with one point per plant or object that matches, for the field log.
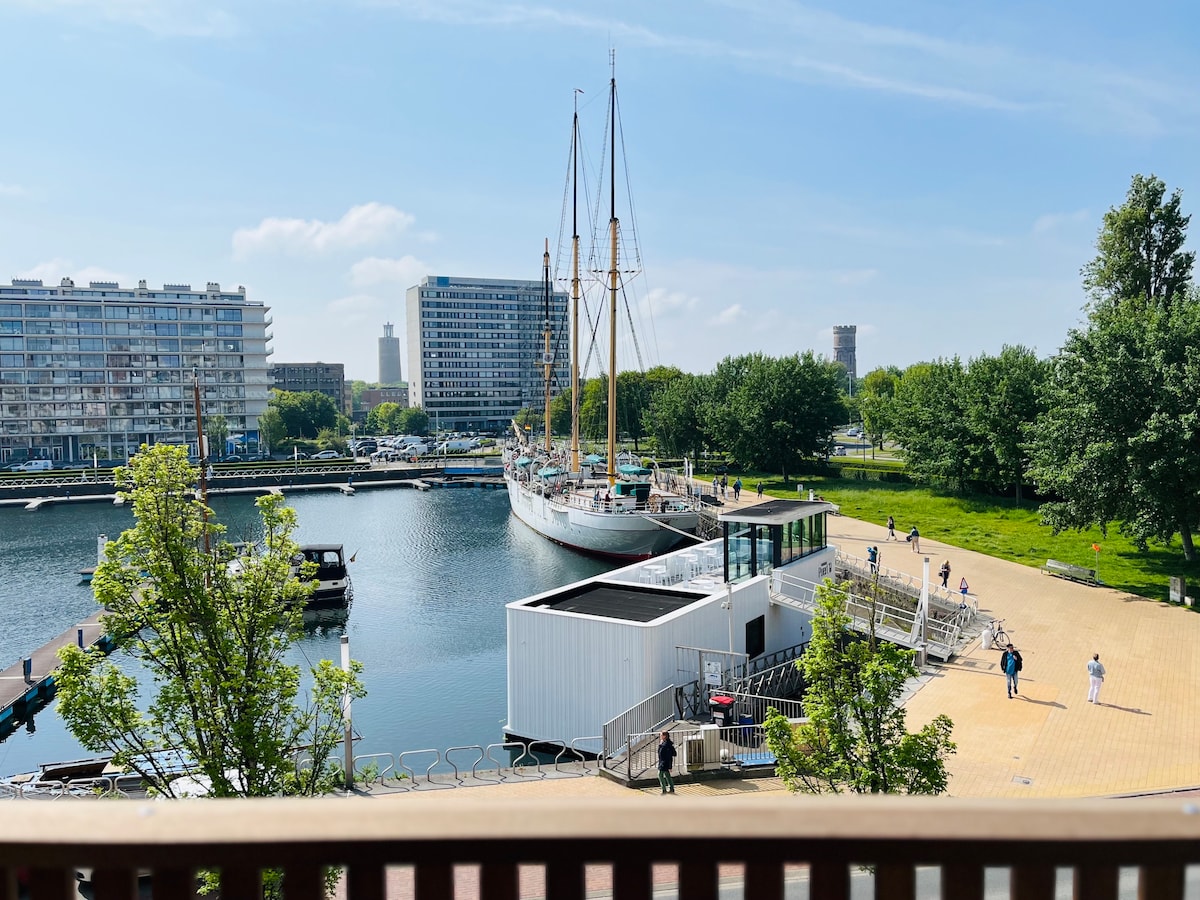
(328, 439)
(385, 419)
(271, 429)
(213, 634)
(876, 392)
(1118, 440)
(413, 420)
(1140, 255)
(304, 413)
(216, 429)
(856, 738)
(929, 421)
(674, 416)
(593, 408)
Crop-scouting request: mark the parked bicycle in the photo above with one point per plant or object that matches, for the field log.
(1000, 638)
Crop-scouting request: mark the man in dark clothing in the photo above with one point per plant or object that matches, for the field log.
(1010, 665)
(666, 759)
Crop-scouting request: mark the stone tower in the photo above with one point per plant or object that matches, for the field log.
(389, 356)
(843, 348)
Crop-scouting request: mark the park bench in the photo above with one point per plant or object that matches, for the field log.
(1069, 571)
(750, 758)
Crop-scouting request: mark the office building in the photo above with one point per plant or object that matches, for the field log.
(93, 373)
(475, 349)
(372, 397)
(844, 348)
(324, 378)
(389, 356)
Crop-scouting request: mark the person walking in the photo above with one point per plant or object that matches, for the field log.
(914, 538)
(891, 527)
(1096, 677)
(666, 759)
(760, 490)
(944, 571)
(737, 488)
(1010, 664)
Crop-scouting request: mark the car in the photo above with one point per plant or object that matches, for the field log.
(232, 459)
(853, 432)
(839, 450)
(327, 454)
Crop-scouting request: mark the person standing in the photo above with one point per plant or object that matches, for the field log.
(914, 538)
(944, 571)
(873, 559)
(737, 488)
(666, 759)
(891, 527)
(1010, 664)
(760, 490)
(1096, 677)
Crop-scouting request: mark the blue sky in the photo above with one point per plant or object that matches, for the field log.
(933, 172)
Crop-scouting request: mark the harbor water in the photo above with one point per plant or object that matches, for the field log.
(432, 573)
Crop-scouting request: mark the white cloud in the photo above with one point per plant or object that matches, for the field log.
(406, 271)
(855, 277)
(728, 315)
(1054, 221)
(11, 190)
(54, 270)
(368, 223)
(164, 18)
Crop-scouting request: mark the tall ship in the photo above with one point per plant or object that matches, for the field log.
(607, 506)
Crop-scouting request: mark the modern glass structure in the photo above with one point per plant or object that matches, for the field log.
(475, 349)
(95, 372)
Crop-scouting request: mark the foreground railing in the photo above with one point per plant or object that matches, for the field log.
(563, 842)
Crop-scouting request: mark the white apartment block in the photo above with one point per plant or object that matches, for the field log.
(98, 371)
(475, 349)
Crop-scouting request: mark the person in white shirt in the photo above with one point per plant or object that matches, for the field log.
(1096, 676)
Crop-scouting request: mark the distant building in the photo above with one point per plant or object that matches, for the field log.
(389, 356)
(844, 348)
(475, 349)
(324, 378)
(94, 372)
(372, 397)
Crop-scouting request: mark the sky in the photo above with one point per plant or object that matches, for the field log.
(932, 172)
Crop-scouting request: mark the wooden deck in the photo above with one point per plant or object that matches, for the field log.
(18, 695)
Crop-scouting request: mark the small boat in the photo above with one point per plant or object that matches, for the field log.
(334, 590)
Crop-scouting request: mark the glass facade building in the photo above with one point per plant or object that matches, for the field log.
(98, 371)
(475, 349)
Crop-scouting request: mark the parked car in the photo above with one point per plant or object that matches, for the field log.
(853, 432)
(232, 459)
(327, 454)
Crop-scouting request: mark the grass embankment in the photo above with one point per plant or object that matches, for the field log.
(1001, 528)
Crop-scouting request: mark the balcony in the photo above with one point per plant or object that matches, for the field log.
(548, 845)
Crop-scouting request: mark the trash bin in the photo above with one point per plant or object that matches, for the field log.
(721, 708)
(747, 733)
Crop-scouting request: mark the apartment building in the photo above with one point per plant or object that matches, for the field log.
(324, 378)
(96, 372)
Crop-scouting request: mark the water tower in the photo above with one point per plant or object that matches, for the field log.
(389, 356)
(843, 348)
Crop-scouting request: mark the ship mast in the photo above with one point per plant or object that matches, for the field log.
(612, 284)
(574, 467)
(547, 355)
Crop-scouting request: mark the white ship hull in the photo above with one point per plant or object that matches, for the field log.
(575, 521)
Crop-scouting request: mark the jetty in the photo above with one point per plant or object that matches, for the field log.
(28, 684)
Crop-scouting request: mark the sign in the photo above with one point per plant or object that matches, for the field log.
(1178, 589)
(712, 673)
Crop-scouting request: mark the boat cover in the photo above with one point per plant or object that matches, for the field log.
(633, 470)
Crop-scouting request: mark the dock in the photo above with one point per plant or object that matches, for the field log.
(21, 693)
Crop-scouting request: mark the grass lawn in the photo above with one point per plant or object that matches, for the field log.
(1002, 529)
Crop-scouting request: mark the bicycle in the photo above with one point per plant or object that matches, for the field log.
(1000, 639)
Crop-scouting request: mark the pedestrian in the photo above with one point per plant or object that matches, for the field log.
(944, 572)
(1010, 664)
(891, 527)
(666, 759)
(963, 588)
(737, 488)
(873, 559)
(914, 538)
(716, 487)
(760, 489)
(1096, 677)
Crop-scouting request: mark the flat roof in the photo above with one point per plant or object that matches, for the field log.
(776, 512)
(613, 600)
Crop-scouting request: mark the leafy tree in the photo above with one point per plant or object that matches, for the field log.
(929, 421)
(560, 413)
(1140, 255)
(216, 429)
(413, 420)
(856, 738)
(674, 417)
(1001, 398)
(1119, 440)
(876, 392)
(271, 428)
(385, 419)
(213, 635)
(328, 439)
(593, 408)
(304, 413)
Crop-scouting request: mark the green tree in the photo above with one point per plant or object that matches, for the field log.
(856, 738)
(329, 439)
(1117, 442)
(271, 428)
(1140, 256)
(674, 417)
(304, 413)
(1002, 400)
(929, 421)
(413, 420)
(213, 634)
(560, 413)
(385, 419)
(593, 408)
(876, 392)
(216, 429)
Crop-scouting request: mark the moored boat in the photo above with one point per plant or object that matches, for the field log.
(334, 589)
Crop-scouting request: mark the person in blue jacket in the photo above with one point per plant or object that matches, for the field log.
(666, 759)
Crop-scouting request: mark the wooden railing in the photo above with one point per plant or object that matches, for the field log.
(833, 836)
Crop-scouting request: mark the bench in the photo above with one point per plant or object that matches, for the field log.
(754, 758)
(1069, 571)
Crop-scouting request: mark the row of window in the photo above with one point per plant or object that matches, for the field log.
(155, 311)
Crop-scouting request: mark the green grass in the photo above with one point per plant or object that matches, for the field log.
(1000, 528)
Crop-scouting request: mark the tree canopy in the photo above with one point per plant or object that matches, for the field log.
(212, 627)
(304, 413)
(856, 738)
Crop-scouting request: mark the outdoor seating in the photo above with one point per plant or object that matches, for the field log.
(1070, 572)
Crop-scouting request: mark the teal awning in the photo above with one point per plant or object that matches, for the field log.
(633, 470)
(549, 472)
(592, 459)
(524, 461)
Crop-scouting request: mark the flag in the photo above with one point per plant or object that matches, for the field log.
(1096, 548)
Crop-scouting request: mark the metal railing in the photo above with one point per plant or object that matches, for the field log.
(648, 715)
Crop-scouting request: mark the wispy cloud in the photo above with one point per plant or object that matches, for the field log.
(164, 18)
(11, 190)
(53, 270)
(373, 270)
(728, 315)
(1054, 221)
(360, 226)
